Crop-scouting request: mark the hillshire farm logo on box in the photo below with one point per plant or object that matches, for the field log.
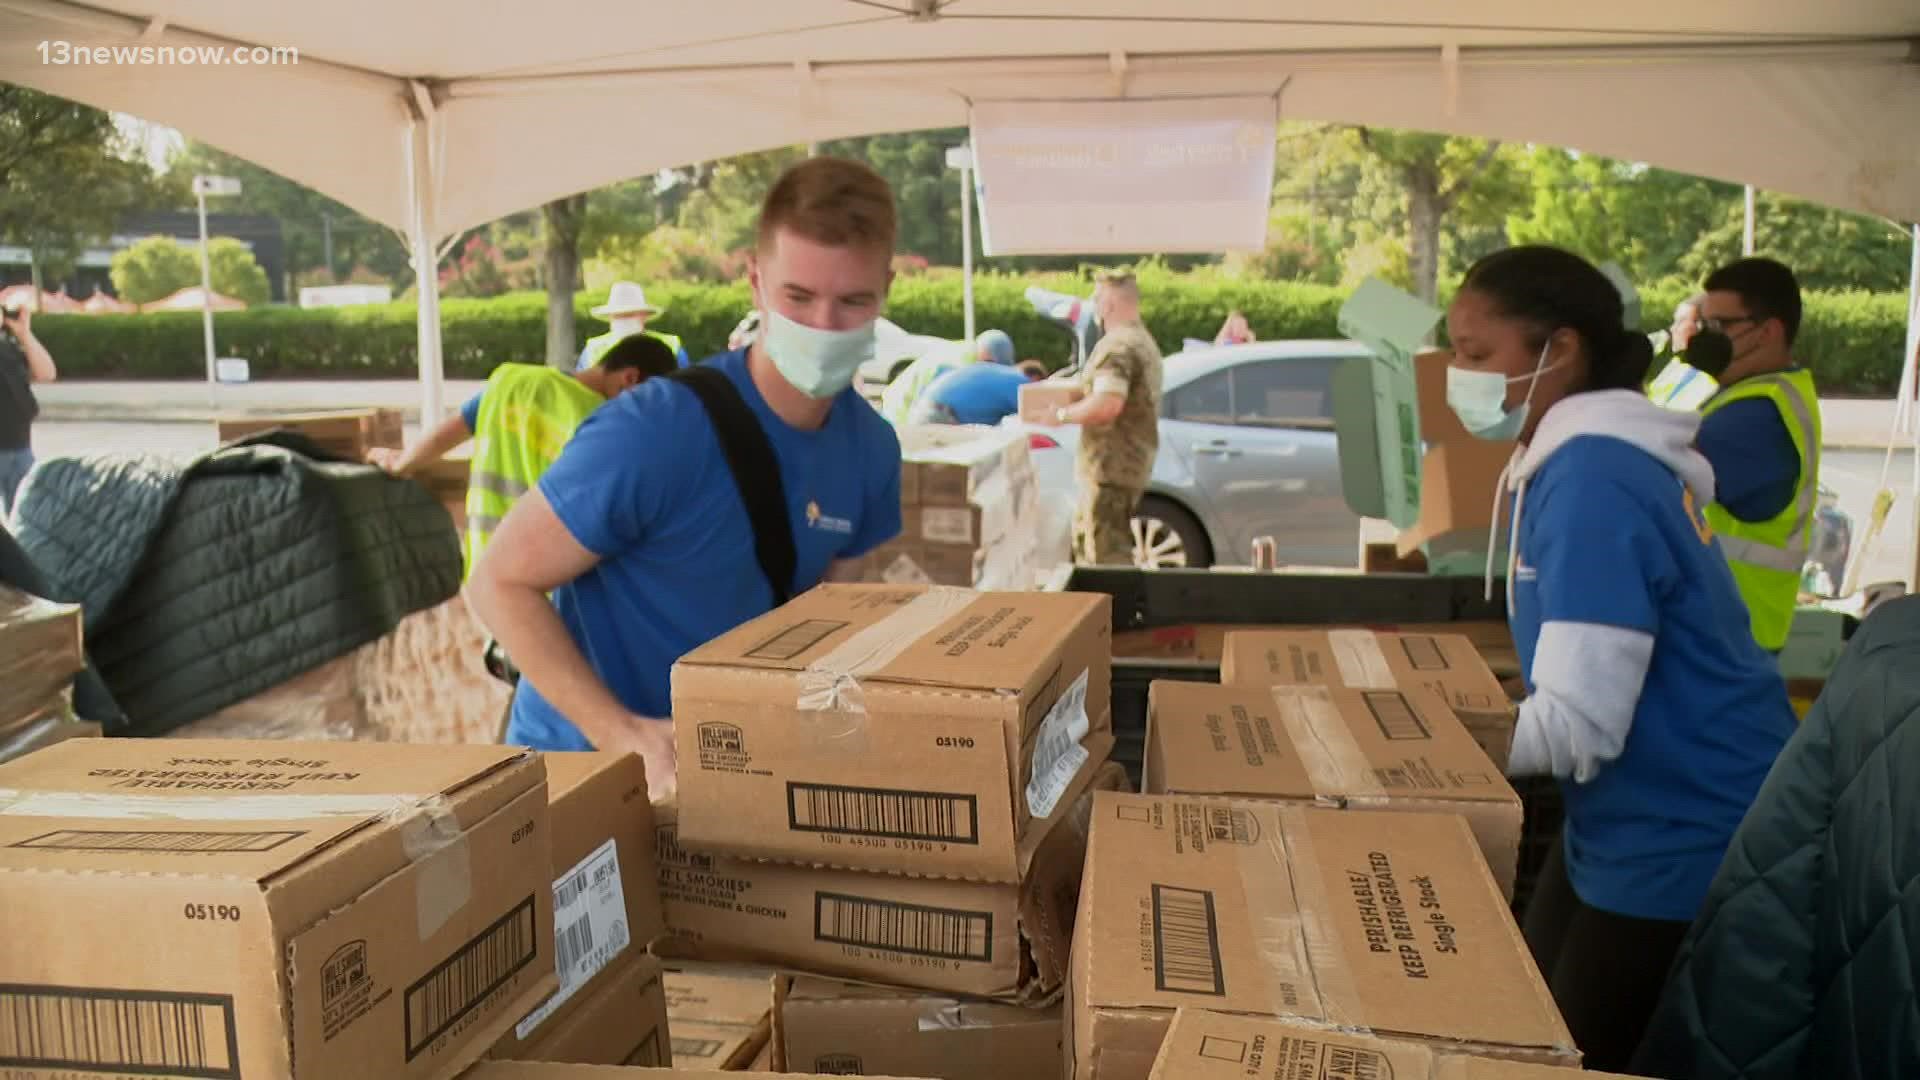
(723, 748)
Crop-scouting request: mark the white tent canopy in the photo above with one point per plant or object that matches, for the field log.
(436, 115)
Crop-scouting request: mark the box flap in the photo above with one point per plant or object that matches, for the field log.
(172, 806)
(1390, 923)
(935, 636)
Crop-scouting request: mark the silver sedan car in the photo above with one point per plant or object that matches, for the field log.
(1247, 449)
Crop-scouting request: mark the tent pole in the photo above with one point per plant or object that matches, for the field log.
(1903, 410)
(426, 273)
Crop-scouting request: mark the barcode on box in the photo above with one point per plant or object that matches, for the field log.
(695, 1048)
(158, 840)
(142, 1032)
(1186, 942)
(462, 981)
(647, 1053)
(1395, 716)
(796, 639)
(913, 929)
(883, 812)
(568, 892)
(1423, 653)
(573, 942)
(1393, 778)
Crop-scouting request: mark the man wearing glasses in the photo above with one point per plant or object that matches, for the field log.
(1762, 434)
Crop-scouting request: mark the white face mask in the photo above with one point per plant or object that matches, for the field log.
(627, 325)
(819, 363)
(1479, 399)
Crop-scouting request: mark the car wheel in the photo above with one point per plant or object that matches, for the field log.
(1167, 537)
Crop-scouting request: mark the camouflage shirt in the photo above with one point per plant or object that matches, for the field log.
(1127, 362)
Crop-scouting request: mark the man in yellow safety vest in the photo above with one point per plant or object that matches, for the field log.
(1762, 434)
(626, 312)
(519, 422)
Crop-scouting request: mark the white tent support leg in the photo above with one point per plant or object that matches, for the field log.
(1903, 409)
(426, 258)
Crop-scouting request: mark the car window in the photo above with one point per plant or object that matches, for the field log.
(1293, 393)
(1206, 400)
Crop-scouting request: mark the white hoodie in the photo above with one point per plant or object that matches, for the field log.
(1587, 677)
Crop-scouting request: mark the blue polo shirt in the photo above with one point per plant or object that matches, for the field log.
(645, 486)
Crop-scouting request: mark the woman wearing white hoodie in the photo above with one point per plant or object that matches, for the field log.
(1647, 696)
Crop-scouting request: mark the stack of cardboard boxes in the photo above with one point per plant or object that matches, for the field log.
(347, 434)
(969, 513)
(888, 784)
(40, 653)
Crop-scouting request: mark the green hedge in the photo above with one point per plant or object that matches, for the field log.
(1852, 340)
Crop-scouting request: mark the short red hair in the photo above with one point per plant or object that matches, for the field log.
(830, 201)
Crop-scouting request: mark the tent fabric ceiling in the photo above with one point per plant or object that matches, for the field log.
(529, 104)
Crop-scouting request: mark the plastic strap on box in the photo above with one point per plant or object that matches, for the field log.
(431, 836)
(831, 684)
(1326, 746)
(1332, 979)
(1362, 664)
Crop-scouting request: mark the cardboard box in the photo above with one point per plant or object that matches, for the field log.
(1347, 749)
(529, 1070)
(1384, 922)
(898, 729)
(763, 1061)
(297, 910)
(1040, 402)
(40, 653)
(347, 433)
(605, 897)
(965, 937)
(53, 723)
(720, 1020)
(620, 1020)
(843, 1029)
(1206, 642)
(1457, 483)
(906, 562)
(1218, 1046)
(950, 464)
(1448, 664)
(1438, 422)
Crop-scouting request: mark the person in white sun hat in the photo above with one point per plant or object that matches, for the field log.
(627, 312)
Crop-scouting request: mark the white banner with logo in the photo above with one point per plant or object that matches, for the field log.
(1118, 177)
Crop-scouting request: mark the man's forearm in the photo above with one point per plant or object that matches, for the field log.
(40, 367)
(538, 643)
(437, 444)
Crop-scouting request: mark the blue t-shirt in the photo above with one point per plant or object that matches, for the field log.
(1756, 469)
(470, 412)
(976, 393)
(645, 486)
(1608, 535)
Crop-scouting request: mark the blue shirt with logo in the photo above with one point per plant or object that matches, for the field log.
(976, 394)
(645, 486)
(1610, 536)
(1756, 468)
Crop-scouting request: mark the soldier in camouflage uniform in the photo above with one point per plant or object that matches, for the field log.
(1119, 415)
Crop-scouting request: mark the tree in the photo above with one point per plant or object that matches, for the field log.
(562, 220)
(1643, 218)
(65, 178)
(160, 266)
(1827, 248)
(1440, 174)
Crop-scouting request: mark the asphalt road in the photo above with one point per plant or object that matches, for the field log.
(1854, 474)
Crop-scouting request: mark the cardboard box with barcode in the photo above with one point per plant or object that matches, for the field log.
(1399, 749)
(721, 1016)
(1446, 664)
(620, 1019)
(897, 729)
(963, 937)
(1219, 1046)
(40, 653)
(840, 1028)
(606, 905)
(296, 910)
(1205, 643)
(1388, 922)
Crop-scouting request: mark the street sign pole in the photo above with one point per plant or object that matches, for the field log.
(204, 186)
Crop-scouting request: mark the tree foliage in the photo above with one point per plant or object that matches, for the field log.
(65, 177)
(160, 266)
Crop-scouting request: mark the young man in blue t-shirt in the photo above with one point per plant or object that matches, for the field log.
(639, 533)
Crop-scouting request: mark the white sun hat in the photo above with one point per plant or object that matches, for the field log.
(625, 298)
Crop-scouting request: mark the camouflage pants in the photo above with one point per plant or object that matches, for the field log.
(1103, 525)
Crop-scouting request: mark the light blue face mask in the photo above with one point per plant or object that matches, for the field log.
(1479, 399)
(819, 363)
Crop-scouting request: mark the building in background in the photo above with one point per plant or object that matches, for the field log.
(259, 232)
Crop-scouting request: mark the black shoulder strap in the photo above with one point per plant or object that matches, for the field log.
(756, 472)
